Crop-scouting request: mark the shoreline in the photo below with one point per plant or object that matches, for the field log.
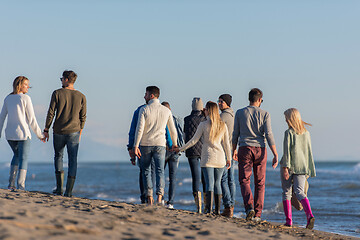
(39, 215)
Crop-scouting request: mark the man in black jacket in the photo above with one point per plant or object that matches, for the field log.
(193, 154)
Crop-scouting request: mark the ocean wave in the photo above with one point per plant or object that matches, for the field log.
(277, 209)
(351, 185)
(185, 201)
(187, 180)
(5, 165)
(357, 168)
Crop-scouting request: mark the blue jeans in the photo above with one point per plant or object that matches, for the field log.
(228, 186)
(213, 179)
(154, 154)
(172, 159)
(141, 181)
(71, 141)
(21, 152)
(196, 174)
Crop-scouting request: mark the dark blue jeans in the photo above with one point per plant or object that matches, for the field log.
(157, 155)
(172, 160)
(213, 179)
(196, 174)
(228, 186)
(21, 152)
(71, 141)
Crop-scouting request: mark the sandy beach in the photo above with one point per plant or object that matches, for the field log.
(38, 215)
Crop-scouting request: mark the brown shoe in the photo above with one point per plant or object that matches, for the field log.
(228, 212)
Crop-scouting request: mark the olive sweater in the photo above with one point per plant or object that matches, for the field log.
(297, 154)
(69, 109)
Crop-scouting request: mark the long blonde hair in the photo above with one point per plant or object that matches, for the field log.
(294, 121)
(17, 84)
(216, 124)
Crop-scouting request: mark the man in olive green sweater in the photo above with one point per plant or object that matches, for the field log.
(68, 107)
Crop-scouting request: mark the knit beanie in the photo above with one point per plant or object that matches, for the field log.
(197, 104)
(227, 98)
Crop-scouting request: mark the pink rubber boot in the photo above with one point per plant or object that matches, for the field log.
(310, 217)
(288, 213)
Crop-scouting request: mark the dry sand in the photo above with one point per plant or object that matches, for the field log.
(37, 215)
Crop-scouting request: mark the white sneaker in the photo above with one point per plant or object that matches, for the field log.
(170, 206)
(256, 219)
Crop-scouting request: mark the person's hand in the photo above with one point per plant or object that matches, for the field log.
(286, 173)
(228, 164)
(46, 138)
(132, 153)
(43, 139)
(132, 156)
(235, 155)
(137, 152)
(275, 162)
(175, 149)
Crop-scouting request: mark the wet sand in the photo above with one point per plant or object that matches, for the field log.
(37, 215)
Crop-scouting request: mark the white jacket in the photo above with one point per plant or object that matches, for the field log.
(212, 154)
(152, 121)
(21, 116)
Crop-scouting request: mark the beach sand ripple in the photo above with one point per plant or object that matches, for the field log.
(39, 215)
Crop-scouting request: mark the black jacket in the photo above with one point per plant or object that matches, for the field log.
(191, 123)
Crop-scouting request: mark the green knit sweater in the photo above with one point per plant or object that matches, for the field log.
(297, 154)
(68, 107)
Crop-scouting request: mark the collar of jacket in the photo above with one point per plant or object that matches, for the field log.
(154, 100)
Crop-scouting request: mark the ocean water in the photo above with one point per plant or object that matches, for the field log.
(334, 194)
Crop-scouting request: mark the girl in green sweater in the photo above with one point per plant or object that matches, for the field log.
(297, 164)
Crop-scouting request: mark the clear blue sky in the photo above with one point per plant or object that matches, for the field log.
(302, 54)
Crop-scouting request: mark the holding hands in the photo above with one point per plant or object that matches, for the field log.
(175, 149)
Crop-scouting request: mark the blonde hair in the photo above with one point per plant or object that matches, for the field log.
(216, 124)
(293, 119)
(17, 84)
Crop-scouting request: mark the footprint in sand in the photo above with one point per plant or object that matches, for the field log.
(204, 233)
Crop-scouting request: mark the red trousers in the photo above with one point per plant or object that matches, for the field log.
(252, 159)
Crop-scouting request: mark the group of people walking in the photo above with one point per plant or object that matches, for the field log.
(213, 143)
(67, 110)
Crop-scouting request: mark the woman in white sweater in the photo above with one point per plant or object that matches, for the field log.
(213, 158)
(20, 112)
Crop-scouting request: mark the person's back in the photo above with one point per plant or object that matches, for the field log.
(70, 109)
(152, 122)
(254, 126)
(298, 154)
(19, 119)
(191, 123)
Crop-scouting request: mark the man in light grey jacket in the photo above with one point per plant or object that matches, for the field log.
(228, 179)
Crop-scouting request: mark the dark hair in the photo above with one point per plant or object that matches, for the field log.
(153, 90)
(70, 75)
(255, 94)
(166, 104)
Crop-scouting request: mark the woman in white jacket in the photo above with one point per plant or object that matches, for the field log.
(215, 153)
(20, 112)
